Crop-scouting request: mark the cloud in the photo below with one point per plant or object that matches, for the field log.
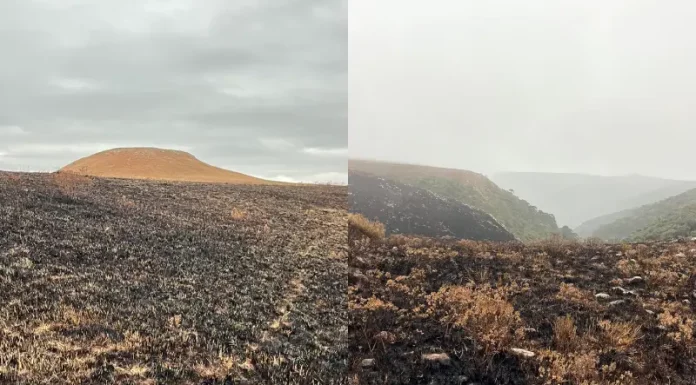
(276, 143)
(337, 178)
(11, 131)
(339, 152)
(242, 83)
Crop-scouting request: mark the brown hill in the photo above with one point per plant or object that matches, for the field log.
(155, 164)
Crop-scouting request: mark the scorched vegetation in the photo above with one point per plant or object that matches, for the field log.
(426, 311)
(135, 282)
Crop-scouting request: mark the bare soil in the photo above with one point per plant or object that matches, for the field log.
(139, 282)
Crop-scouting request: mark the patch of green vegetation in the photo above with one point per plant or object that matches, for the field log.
(681, 223)
(567, 233)
(670, 218)
(525, 221)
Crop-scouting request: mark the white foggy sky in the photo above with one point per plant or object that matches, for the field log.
(602, 87)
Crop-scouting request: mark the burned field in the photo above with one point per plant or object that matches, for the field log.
(425, 311)
(135, 282)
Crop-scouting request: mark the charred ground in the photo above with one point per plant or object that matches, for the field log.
(405, 209)
(115, 281)
(427, 311)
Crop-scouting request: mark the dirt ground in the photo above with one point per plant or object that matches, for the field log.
(136, 282)
(425, 311)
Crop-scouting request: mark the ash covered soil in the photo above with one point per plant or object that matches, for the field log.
(135, 282)
(426, 311)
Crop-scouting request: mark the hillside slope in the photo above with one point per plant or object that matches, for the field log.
(156, 164)
(669, 218)
(176, 280)
(577, 198)
(587, 228)
(405, 209)
(523, 220)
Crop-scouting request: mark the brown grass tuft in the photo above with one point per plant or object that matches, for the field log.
(483, 312)
(620, 335)
(371, 229)
(238, 214)
(565, 336)
(571, 293)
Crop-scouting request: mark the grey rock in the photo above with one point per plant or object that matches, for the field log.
(368, 363)
(616, 302)
(522, 352)
(602, 296)
(622, 291)
(441, 358)
(635, 279)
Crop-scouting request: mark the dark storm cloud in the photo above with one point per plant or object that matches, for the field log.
(249, 84)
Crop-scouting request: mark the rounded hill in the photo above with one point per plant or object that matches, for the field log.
(155, 164)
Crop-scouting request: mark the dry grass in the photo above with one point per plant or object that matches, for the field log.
(71, 184)
(679, 324)
(476, 301)
(238, 214)
(565, 334)
(371, 229)
(571, 293)
(558, 368)
(620, 335)
(483, 312)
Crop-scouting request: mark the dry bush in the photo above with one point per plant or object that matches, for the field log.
(665, 279)
(470, 247)
(371, 229)
(571, 293)
(539, 262)
(620, 335)
(593, 242)
(555, 245)
(557, 368)
(565, 336)
(629, 268)
(71, 184)
(675, 318)
(373, 314)
(483, 312)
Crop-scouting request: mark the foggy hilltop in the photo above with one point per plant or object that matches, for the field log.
(530, 206)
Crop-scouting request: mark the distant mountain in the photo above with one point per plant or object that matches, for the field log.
(520, 218)
(578, 198)
(670, 218)
(405, 209)
(587, 228)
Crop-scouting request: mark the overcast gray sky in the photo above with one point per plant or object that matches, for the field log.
(591, 86)
(254, 86)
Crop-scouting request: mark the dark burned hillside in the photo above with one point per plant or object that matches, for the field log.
(461, 312)
(107, 281)
(472, 189)
(405, 209)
